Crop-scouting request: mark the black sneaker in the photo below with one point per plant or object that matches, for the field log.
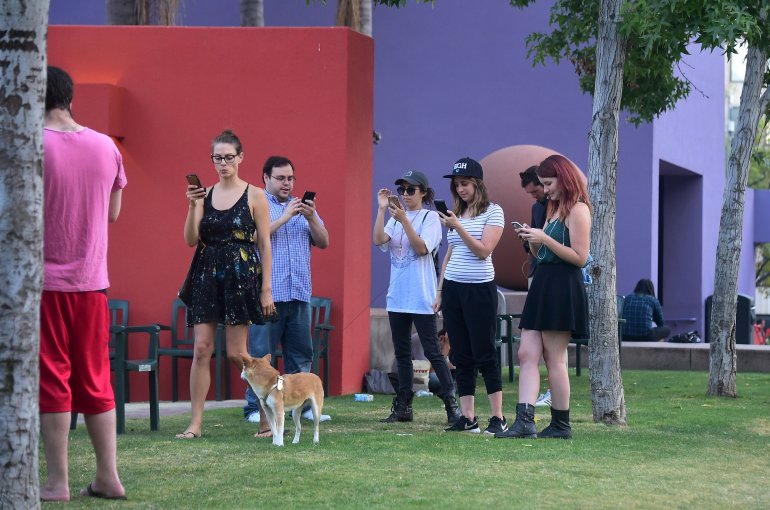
(465, 425)
(496, 426)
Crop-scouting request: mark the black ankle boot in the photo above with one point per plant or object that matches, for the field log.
(524, 426)
(559, 427)
(452, 409)
(401, 410)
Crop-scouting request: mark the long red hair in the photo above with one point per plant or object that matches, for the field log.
(572, 182)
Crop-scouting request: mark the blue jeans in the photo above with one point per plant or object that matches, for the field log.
(292, 332)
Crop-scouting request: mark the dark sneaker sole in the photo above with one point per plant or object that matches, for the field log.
(502, 435)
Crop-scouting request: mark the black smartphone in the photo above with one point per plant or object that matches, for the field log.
(309, 195)
(193, 180)
(441, 207)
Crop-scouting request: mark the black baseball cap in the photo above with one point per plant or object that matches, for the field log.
(466, 167)
(415, 178)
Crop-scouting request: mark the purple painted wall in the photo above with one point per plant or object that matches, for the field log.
(761, 215)
(692, 139)
(453, 79)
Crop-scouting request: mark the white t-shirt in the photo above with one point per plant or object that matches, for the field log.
(412, 286)
(464, 266)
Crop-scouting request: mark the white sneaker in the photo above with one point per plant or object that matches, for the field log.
(253, 417)
(544, 400)
(308, 415)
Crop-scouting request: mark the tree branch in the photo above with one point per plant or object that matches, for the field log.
(764, 102)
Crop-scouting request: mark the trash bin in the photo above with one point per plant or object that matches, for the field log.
(744, 319)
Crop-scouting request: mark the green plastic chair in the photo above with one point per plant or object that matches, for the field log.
(181, 346)
(321, 310)
(619, 300)
(320, 313)
(120, 333)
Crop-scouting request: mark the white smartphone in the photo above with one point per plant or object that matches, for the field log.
(516, 225)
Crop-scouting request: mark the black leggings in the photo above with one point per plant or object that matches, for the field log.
(401, 331)
(470, 312)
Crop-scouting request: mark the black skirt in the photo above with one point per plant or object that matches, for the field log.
(557, 301)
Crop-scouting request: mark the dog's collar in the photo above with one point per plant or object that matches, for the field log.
(277, 386)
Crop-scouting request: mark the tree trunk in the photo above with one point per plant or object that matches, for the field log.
(122, 12)
(723, 362)
(607, 393)
(252, 13)
(349, 14)
(23, 31)
(366, 17)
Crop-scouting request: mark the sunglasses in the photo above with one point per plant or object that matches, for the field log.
(411, 190)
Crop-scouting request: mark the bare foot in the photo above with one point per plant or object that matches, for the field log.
(47, 494)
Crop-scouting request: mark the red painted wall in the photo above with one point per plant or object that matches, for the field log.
(165, 93)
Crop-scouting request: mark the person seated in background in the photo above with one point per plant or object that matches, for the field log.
(644, 315)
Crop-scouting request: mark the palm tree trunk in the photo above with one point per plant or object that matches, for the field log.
(122, 12)
(349, 14)
(252, 13)
(366, 17)
(723, 362)
(607, 394)
(24, 25)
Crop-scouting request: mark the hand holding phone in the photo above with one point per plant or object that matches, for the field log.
(192, 180)
(393, 199)
(309, 195)
(441, 207)
(516, 225)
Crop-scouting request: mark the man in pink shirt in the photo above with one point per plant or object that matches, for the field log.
(84, 178)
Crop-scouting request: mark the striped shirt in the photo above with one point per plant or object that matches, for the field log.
(464, 266)
(291, 255)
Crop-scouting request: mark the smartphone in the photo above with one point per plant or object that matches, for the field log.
(441, 207)
(193, 180)
(517, 225)
(309, 195)
(393, 199)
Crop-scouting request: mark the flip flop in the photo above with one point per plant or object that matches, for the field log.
(92, 493)
(188, 434)
(264, 433)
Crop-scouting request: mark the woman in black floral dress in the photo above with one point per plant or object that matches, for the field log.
(229, 285)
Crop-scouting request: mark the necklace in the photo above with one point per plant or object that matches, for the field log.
(403, 238)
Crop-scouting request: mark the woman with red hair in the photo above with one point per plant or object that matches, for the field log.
(556, 306)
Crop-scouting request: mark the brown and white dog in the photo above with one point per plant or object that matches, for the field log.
(278, 393)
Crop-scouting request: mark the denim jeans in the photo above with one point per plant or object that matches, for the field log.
(292, 332)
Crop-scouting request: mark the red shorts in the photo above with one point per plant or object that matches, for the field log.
(74, 353)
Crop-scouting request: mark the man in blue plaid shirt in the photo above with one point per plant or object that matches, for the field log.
(641, 310)
(295, 228)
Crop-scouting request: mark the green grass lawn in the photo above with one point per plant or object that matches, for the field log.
(681, 449)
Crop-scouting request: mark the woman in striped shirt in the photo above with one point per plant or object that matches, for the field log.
(467, 295)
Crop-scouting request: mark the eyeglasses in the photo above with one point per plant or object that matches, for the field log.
(228, 158)
(411, 190)
(283, 178)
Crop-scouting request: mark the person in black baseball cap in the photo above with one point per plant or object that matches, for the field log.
(412, 236)
(467, 294)
(466, 167)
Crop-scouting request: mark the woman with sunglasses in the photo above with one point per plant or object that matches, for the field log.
(411, 236)
(229, 286)
(467, 294)
(556, 306)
